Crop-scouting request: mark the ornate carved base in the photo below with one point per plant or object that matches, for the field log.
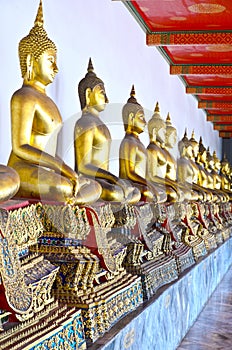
(209, 240)
(55, 328)
(154, 273)
(198, 246)
(27, 280)
(226, 233)
(184, 257)
(106, 303)
(219, 237)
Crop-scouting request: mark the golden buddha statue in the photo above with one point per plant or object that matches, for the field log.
(185, 171)
(209, 167)
(225, 172)
(196, 172)
(133, 154)
(92, 142)
(216, 171)
(157, 162)
(171, 166)
(9, 183)
(217, 178)
(209, 163)
(202, 175)
(35, 123)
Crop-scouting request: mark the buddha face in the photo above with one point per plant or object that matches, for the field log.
(189, 151)
(45, 68)
(226, 168)
(211, 163)
(161, 134)
(217, 164)
(203, 156)
(171, 138)
(195, 149)
(97, 98)
(139, 121)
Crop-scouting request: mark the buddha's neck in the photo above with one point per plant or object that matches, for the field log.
(91, 110)
(156, 142)
(133, 133)
(167, 147)
(36, 85)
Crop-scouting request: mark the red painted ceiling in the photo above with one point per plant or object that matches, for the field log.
(195, 36)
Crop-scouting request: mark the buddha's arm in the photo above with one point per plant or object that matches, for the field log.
(22, 114)
(151, 165)
(128, 154)
(152, 170)
(182, 171)
(83, 141)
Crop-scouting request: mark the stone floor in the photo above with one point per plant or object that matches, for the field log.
(213, 328)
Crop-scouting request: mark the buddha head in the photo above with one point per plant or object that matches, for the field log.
(91, 91)
(217, 163)
(171, 133)
(202, 153)
(184, 146)
(37, 53)
(225, 166)
(157, 126)
(194, 144)
(133, 114)
(209, 160)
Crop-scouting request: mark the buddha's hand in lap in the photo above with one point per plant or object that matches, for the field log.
(73, 176)
(128, 189)
(83, 181)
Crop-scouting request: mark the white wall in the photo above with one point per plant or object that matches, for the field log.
(107, 32)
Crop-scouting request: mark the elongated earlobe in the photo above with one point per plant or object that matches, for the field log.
(154, 134)
(87, 96)
(29, 67)
(131, 120)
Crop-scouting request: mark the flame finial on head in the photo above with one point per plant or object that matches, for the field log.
(90, 66)
(157, 109)
(132, 91)
(185, 138)
(132, 98)
(39, 17)
(168, 120)
(192, 139)
(202, 148)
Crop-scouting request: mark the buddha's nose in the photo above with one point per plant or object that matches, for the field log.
(55, 68)
(106, 99)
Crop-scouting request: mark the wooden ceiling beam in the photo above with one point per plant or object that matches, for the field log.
(226, 119)
(200, 69)
(221, 127)
(188, 38)
(225, 134)
(215, 105)
(217, 90)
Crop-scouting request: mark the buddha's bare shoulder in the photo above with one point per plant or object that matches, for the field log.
(87, 121)
(24, 93)
(153, 147)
